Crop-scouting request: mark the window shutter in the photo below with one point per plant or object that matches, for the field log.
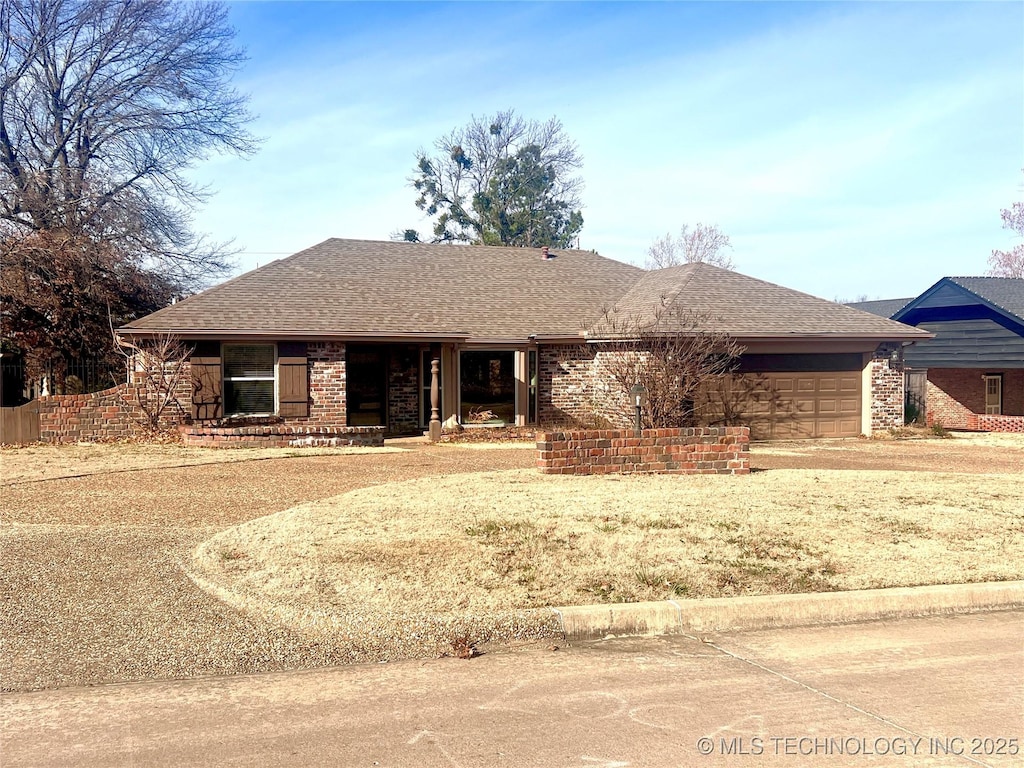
(207, 402)
(292, 380)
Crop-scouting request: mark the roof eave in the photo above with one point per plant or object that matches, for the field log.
(245, 333)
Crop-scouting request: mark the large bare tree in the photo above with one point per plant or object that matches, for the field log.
(701, 243)
(104, 105)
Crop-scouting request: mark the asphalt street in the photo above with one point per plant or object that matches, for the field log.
(939, 691)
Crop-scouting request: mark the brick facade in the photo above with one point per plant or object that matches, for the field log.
(956, 399)
(328, 405)
(684, 451)
(404, 390)
(576, 388)
(887, 389)
(564, 384)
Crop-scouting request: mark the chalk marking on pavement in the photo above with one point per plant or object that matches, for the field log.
(432, 739)
(825, 695)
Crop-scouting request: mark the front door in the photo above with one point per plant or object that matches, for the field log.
(366, 385)
(994, 394)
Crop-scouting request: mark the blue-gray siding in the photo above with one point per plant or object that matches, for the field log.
(967, 344)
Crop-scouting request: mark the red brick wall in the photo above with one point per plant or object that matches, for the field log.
(684, 451)
(956, 395)
(108, 415)
(328, 404)
(280, 436)
(990, 423)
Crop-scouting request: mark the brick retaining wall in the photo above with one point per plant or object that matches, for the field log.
(280, 436)
(682, 451)
(111, 414)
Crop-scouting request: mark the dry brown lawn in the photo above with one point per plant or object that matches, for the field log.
(509, 541)
(36, 462)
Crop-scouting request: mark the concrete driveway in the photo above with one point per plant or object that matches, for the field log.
(942, 691)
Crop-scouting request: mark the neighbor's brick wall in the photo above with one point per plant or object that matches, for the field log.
(684, 451)
(563, 383)
(956, 399)
(887, 389)
(966, 387)
(992, 423)
(942, 408)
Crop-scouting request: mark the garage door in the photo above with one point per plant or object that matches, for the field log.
(791, 405)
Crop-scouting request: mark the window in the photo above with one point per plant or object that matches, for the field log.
(248, 379)
(487, 387)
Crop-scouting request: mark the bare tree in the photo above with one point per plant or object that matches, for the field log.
(1010, 263)
(501, 180)
(158, 372)
(704, 243)
(103, 106)
(675, 355)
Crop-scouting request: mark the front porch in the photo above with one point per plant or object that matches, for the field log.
(408, 389)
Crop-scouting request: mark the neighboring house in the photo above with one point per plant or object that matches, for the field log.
(359, 333)
(975, 364)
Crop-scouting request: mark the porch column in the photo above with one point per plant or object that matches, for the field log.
(435, 391)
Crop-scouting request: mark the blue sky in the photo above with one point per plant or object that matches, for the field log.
(847, 148)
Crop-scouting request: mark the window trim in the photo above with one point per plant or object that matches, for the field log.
(273, 378)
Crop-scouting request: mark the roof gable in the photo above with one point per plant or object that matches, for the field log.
(969, 298)
(746, 307)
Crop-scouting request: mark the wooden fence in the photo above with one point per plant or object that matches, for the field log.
(20, 425)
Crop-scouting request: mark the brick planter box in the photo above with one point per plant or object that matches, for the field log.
(280, 436)
(682, 451)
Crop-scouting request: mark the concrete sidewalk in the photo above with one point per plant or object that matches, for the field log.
(937, 691)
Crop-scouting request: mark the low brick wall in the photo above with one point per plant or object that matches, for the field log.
(280, 436)
(106, 415)
(991, 423)
(683, 451)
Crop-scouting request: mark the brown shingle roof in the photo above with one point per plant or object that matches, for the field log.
(745, 307)
(344, 287)
(359, 288)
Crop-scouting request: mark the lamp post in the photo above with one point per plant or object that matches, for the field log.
(639, 393)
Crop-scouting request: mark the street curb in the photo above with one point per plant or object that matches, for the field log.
(669, 617)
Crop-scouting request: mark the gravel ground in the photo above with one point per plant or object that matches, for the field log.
(92, 589)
